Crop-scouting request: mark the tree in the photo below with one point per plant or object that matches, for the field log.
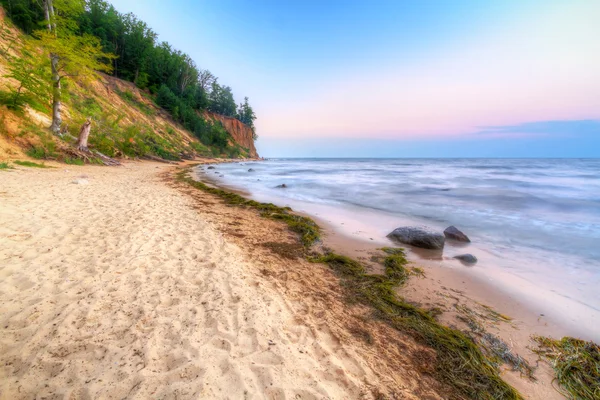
(221, 100)
(71, 55)
(245, 114)
(206, 79)
(24, 13)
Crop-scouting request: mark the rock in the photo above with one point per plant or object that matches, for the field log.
(453, 233)
(282, 186)
(250, 170)
(419, 236)
(80, 181)
(216, 172)
(466, 258)
(211, 167)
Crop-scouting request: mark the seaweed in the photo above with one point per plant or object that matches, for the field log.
(306, 228)
(576, 364)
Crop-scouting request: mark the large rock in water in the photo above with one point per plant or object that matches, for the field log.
(454, 233)
(419, 236)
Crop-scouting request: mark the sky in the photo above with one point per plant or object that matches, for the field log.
(400, 78)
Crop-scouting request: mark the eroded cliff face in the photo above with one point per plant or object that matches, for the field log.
(240, 132)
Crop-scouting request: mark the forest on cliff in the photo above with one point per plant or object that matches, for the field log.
(65, 44)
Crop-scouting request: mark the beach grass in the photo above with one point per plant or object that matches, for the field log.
(4, 165)
(30, 164)
(576, 364)
(460, 363)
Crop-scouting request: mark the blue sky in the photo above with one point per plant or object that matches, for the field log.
(420, 78)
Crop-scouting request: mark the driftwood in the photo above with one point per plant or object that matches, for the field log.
(81, 150)
(84, 134)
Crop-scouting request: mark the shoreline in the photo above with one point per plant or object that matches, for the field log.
(151, 241)
(455, 291)
(562, 314)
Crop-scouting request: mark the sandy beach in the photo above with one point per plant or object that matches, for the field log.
(123, 283)
(116, 287)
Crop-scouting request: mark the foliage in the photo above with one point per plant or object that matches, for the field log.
(221, 100)
(245, 113)
(4, 165)
(26, 14)
(79, 55)
(32, 76)
(92, 35)
(131, 99)
(74, 161)
(44, 152)
(209, 133)
(576, 363)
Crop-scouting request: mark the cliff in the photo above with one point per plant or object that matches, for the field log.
(127, 123)
(240, 132)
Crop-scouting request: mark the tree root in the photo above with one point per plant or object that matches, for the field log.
(88, 156)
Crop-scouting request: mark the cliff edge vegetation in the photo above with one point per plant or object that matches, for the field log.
(63, 63)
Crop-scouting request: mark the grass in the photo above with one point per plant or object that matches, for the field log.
(42, 152)
(576, 364)
(30, 164)
(4, 165)
(74, 161)
(132, 100)
(459, 362)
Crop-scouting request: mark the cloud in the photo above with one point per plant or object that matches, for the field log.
(562, 128)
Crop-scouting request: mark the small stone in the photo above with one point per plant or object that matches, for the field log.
(80, 181)
(250, 170)
(467, 258)
(282, 186)
(211, 167)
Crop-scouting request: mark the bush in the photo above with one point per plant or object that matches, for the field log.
(43, 152)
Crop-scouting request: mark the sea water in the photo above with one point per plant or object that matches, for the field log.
(537, 219)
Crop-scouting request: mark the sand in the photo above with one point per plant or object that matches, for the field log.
(114, 285)
(119, 282)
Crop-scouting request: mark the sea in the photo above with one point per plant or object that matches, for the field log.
(535, 221)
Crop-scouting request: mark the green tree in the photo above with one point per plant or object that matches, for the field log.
(26, 14)
(245, 113)
(221, 100)
(71, 55)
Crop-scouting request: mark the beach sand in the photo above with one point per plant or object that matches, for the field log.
(115, 284)
(122, 283)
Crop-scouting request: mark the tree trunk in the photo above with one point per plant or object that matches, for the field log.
(84, 133)
(47, 5)
(56, 95)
